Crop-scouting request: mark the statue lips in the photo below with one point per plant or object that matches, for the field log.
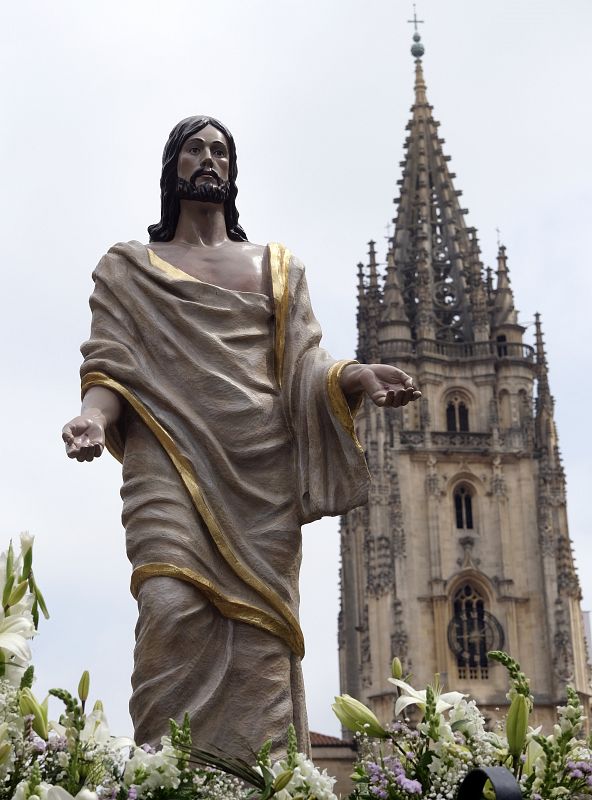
(201, 173)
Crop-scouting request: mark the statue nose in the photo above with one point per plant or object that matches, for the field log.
(207, 160)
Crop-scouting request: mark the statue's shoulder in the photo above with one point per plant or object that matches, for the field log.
(294, 263)
(118, 258)
(128, 250)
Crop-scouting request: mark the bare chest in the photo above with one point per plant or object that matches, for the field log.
(239, 266)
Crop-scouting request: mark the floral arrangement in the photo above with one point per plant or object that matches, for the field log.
(431, 759)
(76, 757)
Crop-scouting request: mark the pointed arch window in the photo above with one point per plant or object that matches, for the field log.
(463, 508)
(457, 414)
(472, 632)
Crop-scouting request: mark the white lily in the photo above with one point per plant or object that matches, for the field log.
(96, 730)
(14, 632)
(27, 540)
(96, 727)
(411, 696)
(59, 793)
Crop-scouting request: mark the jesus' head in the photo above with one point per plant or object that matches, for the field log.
(187, 176)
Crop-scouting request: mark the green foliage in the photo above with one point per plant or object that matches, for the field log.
(27, 679)
(263, 755)
(431, 718)
(181, 739)
(292, 747)
(519, 683)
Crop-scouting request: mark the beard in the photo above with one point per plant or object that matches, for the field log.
(204, 192)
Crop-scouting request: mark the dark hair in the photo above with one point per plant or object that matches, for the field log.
(164, 230)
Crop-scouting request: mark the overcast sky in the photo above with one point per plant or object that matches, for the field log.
(317, 95)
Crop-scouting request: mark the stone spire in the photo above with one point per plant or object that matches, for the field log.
(504, 312)
(545, 425)
(394, 324)
(362, 315)
(369, 305)
(438, 263)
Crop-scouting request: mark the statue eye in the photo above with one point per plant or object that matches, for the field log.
(194, 149)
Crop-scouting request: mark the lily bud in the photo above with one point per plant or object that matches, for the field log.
(5, 749)
(18, 593)
(29, 705)
(27, 540)
(98, 706)
(517, 724)
(282, 780)
(84, 686)
(7, 588)
(396, 668)
(356, 717)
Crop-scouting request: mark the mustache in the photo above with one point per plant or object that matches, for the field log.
(199, 172)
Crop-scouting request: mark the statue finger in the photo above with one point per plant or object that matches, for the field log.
(71, 450)
(389, 398)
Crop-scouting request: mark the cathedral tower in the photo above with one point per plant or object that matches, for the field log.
(464, 545)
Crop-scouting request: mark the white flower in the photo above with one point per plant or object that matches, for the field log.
(22, 791)
(148, 771)
(306, 781)
(27, 540)
(411, 696)
(59, 793)
(14, 632)
(96, 728)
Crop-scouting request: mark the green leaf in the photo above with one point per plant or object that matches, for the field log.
(41, 602)
(10, 561)
(35, 613)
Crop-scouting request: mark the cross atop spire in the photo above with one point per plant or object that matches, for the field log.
(415, 22)
(417, 48)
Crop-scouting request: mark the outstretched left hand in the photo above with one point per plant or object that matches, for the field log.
(384, 385)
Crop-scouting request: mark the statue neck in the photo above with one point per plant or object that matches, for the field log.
(201, 223)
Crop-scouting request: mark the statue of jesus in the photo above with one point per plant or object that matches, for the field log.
(203, 375)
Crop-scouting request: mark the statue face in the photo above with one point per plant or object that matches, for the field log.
(203, 162)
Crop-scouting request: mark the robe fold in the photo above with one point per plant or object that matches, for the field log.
(235, 433)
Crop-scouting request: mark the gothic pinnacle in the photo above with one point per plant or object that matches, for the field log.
(504, 311)
(544, 398)
(372, 265)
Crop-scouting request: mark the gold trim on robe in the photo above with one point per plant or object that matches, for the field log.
(289, 626)
(279, 262)
(339, 404)
(229, 607)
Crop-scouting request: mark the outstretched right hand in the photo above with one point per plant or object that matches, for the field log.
(84, 436)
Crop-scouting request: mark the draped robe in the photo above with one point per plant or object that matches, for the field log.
(235, 433)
